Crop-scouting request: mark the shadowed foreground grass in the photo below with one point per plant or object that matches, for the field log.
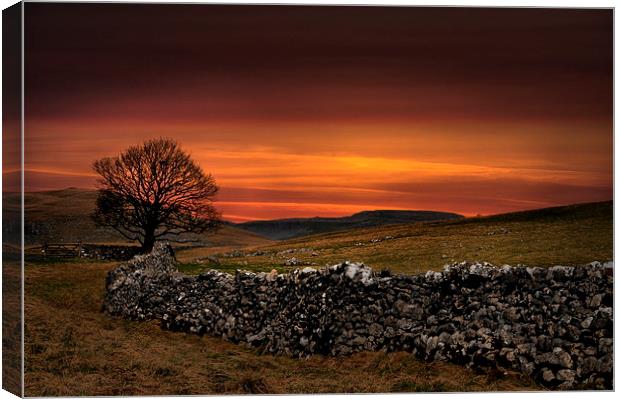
(74, 349)
(11, 322)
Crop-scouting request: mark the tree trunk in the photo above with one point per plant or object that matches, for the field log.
(149, 242)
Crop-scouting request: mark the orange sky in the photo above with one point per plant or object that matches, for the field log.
(300, 111)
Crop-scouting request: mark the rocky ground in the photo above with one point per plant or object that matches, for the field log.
(554, 324)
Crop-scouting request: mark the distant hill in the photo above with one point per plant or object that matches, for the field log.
(566, 235)
(64, 216)
(282, 229)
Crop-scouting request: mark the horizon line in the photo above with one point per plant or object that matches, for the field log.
(241, 219)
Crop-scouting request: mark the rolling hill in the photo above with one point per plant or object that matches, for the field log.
(573, 234)
(566, 235)
(282, 229)
(64, 216)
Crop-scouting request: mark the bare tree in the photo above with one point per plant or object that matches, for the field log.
(153, 190)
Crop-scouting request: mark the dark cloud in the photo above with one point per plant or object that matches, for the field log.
(278, 62)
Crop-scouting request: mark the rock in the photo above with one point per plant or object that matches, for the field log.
(605, 364)
(547, 375)
(596, 301)
(566, 375)
(357, 271)
(375, 330)
(213, 259)
(562, 358)
(272, 276)
(292, 262)
(431, 344)
(590, 365)
(586, 322)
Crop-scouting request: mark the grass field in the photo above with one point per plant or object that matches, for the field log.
(570, 235)
(74, 349)
(11, 322)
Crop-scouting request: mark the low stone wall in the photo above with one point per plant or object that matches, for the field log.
(109, 252)
(554, 324)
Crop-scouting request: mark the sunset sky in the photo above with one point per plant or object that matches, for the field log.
(326, 111)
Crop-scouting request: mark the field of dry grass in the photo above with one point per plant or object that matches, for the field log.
(571, 235)
(11, 322)
(74, 349)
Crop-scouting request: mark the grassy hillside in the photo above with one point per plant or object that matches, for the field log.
(570, 235)
(280, 229)
(74, 349)
(562, 235)
(64, 216)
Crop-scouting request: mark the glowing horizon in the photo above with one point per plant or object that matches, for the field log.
(326, 111)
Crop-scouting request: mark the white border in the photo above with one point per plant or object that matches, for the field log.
(478, 3)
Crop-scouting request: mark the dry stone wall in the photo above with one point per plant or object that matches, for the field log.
(554, 324)
(109, 252)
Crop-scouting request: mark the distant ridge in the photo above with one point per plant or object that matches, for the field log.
(282, 229)
(63, 215)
